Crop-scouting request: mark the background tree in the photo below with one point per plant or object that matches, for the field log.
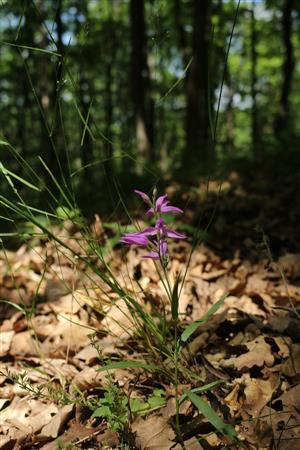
(140, 80)
(130, 85)
(198, 102)
(282, 117)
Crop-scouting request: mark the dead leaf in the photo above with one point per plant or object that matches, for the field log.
(5, 341)
(77, 431)
(154, 433)
(54, 427)
(190, 444)
(27, 415)
(259, 353)
(212, 275)
(291, 367)
(24, 343)
(68, 333)
(88, 378)
(118, 320)
(258, 392)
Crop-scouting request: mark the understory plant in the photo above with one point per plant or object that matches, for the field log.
(155, 240)
(164, 339)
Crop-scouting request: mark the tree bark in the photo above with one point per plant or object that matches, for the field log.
(254, 111)
(84, 89)
(199, 151)
(282, 117)
(140, 80)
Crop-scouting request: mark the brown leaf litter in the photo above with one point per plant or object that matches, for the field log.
(252, 344)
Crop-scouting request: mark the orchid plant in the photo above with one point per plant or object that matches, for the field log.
(155, 237)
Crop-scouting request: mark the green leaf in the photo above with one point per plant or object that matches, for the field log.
(35, 49)
(205, 388)
(156, 402)
(14, 305)
(102, 411)
(212, 416)
(137, 405)
(195, 325)
(175, 299)
(7, 173)
(129, 365)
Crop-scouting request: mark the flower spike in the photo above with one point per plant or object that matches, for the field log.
(162, 206)
(155, 238)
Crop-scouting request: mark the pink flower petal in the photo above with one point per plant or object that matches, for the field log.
(134, 240)
(144, 196)
(150, 212)
(162, 200)
(174, 234)
(151, 255)
(166, 209)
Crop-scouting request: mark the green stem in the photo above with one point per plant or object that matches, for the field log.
(176, 355)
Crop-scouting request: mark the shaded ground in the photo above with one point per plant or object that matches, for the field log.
(252, 344)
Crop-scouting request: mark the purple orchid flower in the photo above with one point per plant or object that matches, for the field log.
(162, 206)
(166, 232)
(162, 253)
(140, 237)
(134, 239)
(146, 237)
(144, 196)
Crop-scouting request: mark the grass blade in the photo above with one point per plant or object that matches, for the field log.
(212, 416)
(205, 388)
(129, 365)
(175, 299)
(195, 325)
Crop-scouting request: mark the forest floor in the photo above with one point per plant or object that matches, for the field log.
(251, 345)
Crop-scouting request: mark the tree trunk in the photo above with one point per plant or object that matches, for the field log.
(140, 81)
(109, 81)
(84, 89)
(199, 150)
(229, 113)
(61, 156)
(282, 117)
(254, 112)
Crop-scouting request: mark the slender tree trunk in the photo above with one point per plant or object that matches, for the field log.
(109, 81)
(282, 117)
(181, 34)
(140, 80)
(84, 88)
(229, 112)
(254, 112)
(62, 159)
(199, 151)
(47, 148)
(26, 115)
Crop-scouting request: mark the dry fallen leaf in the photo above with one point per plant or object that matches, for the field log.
(88, 378)
(154, 433)
(54, 427)
(25, 344)
(291, 366)
(26, 416)
(259, 353)
(5, 341)
(257, 392)
(118, 320)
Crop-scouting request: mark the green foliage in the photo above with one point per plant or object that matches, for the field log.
(155, 401)
(67, 89)
(113, 407)
(214, 419)
(190, 330)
